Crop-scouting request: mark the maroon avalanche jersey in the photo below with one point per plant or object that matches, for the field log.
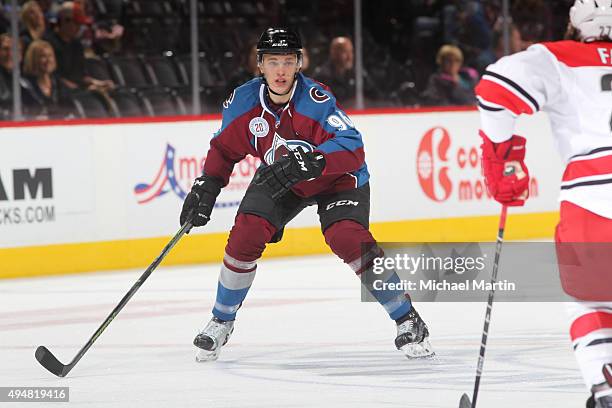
(311, 121)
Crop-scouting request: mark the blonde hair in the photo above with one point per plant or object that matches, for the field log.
(30, 63)
(448, 51)
(25, 11)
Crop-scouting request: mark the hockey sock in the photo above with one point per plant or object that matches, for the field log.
(395, 301)
(591, 333)
(348, 239)
(235, 281)
(246, 243)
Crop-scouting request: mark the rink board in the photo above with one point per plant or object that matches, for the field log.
(98, 195)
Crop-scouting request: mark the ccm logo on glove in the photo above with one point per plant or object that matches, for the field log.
(300, 160)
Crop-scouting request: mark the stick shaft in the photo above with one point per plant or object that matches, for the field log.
(487, 320)
(126, 298)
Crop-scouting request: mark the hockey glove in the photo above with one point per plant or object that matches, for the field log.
(289, 170)
(505, 172)
(200, 201)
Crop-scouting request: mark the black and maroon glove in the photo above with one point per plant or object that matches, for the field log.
(200, 201)
(289, 170)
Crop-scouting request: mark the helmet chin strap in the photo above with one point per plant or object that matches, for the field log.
(276, 93)
(279, 94)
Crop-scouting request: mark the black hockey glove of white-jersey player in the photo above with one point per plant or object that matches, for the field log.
(201, 200)
(288, 170)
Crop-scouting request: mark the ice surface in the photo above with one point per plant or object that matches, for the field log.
(302, 339)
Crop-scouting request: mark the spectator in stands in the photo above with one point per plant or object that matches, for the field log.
(6, 74)
(70, 52)
(46, 97)
(98, 37)
(247, 71)
(34, 23)
(533, 19)
(476, 21)
(5, 22)
(338, 72)
(452, 84)
(305, 61)
(46, 6)
(6, 67)
(490, 56)
(87, 28)
(108, 37)
(106, 34)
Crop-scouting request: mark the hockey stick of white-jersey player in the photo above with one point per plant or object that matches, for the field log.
(465, 400)
(51, 363)
(511, 168)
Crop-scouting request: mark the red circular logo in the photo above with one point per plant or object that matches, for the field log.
(431, 157)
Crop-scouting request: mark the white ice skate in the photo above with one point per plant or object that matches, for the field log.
(212, 337)
(413, 336)
(601, 399)
(602, 393)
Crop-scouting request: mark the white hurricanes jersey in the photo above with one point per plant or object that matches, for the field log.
(572, 82)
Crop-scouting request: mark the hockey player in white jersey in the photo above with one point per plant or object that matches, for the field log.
(571, 80)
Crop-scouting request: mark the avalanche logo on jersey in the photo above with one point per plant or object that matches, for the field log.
(280, 147)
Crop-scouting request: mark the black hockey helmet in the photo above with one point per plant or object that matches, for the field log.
(279, 40)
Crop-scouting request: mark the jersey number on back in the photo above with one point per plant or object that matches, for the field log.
(606, 85)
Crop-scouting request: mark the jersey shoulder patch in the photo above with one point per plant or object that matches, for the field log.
(315, 99)
(245, 97)
(241, 100)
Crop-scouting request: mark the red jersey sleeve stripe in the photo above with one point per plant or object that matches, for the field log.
(513, 85)
(588, 167)
(589, 323)
(499, 95)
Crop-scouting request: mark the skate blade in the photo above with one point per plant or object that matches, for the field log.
(418, 350)
(203, 356)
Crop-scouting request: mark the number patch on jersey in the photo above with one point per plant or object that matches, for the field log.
(606, 82)
(345, 118)
(340, 121)
(606, 86)
(259, 127)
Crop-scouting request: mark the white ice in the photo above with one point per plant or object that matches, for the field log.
(302, 339)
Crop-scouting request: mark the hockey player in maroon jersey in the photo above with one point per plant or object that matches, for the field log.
(572, 81)
(312, 155)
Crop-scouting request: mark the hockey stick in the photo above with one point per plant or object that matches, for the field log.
(465, 400)
(51, 363)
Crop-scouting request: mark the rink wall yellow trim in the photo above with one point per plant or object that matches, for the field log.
(139, 253)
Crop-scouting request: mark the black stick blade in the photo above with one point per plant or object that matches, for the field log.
(48, 360)
(465, 402)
